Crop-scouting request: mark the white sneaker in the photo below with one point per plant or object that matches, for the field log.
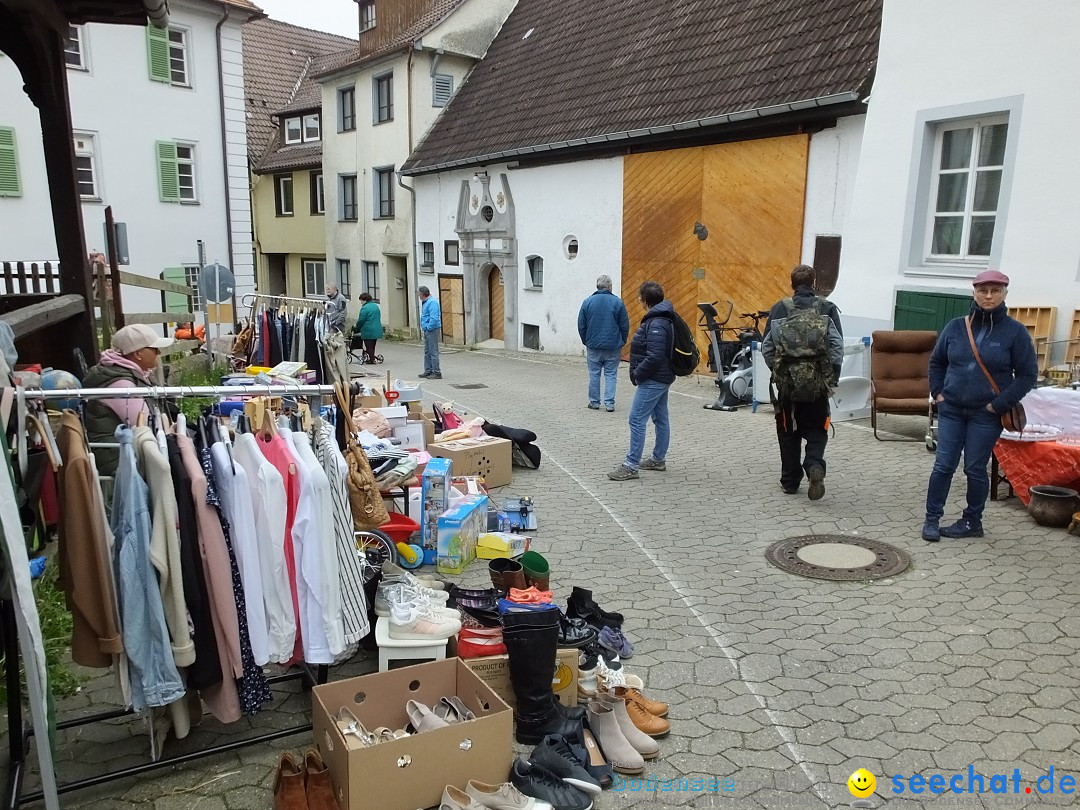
(400, 594)
(610, 678)
(391, 571)
(428, 593)
(420, 623)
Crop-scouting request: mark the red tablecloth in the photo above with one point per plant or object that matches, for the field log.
(1028, 464)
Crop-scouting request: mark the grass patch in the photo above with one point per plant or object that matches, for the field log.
(196, 374)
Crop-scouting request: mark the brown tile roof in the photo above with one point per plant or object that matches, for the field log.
(247, 5)
(277, 57)
(439, 11)
(568, 70)
(285, 158)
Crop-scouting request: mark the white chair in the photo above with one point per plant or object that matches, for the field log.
(394, 649)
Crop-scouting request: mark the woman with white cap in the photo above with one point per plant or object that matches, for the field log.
(969, 406)
(135, 352)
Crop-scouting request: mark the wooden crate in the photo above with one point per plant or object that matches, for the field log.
(1040, 325)
(1072, 352)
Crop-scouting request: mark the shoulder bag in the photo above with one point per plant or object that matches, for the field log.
(365, 500)
(1014, 419)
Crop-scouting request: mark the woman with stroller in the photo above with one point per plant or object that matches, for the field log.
(369, 327)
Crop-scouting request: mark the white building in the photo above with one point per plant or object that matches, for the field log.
(964, 165)
(159, 134)
(377, 103)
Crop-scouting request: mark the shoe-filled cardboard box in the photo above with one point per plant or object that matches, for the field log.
(411, 772)
(494, 670)
(459, 529)
(485, 456)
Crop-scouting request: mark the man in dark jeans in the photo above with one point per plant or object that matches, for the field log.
(799, 421)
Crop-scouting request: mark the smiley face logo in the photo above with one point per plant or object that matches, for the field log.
(861, 783)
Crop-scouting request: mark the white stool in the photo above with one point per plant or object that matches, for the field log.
(394, 649)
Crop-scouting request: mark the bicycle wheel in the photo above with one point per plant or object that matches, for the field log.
(373, 548)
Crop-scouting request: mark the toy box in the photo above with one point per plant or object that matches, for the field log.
(496, 545)
(434, 498)
(459, 529)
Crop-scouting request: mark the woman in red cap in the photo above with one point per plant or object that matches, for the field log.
(969, 407)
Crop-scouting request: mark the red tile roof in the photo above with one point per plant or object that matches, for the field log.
(565, 73)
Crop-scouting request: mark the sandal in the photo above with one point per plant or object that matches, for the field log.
(452, 710)
(353, 727)
(385, 734)
(422, 718)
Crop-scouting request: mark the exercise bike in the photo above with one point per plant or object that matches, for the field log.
(731, 359)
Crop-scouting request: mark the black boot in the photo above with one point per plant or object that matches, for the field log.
(581, 605)
(531, 641)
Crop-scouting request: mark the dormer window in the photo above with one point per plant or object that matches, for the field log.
(367, 15)
(302, 129)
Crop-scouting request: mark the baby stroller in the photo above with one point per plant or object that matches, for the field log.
(356, 352)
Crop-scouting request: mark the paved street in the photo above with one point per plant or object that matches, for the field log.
(780, 686)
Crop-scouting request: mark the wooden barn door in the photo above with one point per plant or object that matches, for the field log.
(452, 301)
(496, 303)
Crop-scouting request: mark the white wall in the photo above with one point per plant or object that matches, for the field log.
(830, 181)
(116, 101)
(1003, 53)
(583, 199)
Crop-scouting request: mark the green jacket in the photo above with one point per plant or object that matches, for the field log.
(369, 322)
(101, 420)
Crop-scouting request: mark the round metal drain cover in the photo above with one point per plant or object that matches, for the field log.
(837, 557)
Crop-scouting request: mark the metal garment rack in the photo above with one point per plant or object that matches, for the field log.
(19, 733)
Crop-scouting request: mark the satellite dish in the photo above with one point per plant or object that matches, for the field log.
(216, 283)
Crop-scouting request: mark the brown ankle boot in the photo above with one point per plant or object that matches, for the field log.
(320, 791)
(289, 785)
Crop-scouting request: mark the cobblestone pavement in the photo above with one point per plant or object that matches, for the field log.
(780, 686)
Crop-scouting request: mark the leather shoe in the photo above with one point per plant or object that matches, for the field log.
(320, 791)
(289, 785)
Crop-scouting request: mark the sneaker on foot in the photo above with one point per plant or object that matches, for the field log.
(594, 406)
(622, 473)
(425, 375)
(790, 490)
(930, 531)
(434, 376)
(609, 408)
(963, 528)
(653, 464)
(817, 484)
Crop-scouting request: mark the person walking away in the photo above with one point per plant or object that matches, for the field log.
(369, 326)
(603, 325)
(651, 372)
(336, 306)
(431, 326)
(985, 342)
(135, 352)
(804, 347)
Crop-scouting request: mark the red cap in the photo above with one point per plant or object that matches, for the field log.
(990, 277)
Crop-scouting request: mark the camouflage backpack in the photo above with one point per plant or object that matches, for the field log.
(802, 371)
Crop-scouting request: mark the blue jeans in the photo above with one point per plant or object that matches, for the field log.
(973, 431)
(650, 399)
(431, 351)
(606, 360)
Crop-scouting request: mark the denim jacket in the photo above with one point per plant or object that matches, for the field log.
(155, 680)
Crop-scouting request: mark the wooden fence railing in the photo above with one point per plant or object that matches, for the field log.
(30, 278)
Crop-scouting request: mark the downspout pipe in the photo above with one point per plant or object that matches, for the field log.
(412, 274)
(225, 155)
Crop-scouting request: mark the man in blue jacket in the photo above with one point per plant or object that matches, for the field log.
(651, 372)
(431, 326)
(603, 326)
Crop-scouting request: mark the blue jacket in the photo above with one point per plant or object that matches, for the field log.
(369, 322)
(650, 350)
(602, 321)
(430, 315)
(1006, 350)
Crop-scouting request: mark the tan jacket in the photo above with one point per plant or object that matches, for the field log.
(86, 571)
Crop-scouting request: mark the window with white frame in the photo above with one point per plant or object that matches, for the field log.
(371, 279)
(169, 55)
(185, 172)
(294, 130)
(314, 277)
(969, 162)
(178, 57)
(283, 195)
(312, 130)
(348, 212)
(442, 87)
(86, 176)
(75, 48)
(302, 129)
(344, 276)
(384, 192)
(347, 109)
(536, 270)
(367, 15)
(318, 197)
(450, 252)
(383, 98)
(191, 271)
(176, 172)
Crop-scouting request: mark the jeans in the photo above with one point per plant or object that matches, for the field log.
(797, 422)
(606, 360)
(650, 399)
(973, 431)
(431, 352)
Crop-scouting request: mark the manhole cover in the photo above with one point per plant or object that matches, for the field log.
(468, 386)
(837, 557)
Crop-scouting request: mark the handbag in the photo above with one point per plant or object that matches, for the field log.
(1015, 419)
(365, 499)
(372, 421)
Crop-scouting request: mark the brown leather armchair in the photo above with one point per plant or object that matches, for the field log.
(900, 374)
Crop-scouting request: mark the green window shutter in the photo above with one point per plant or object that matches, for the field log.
(175, 302)
(168, 173)
(9, 164)
(157, 44)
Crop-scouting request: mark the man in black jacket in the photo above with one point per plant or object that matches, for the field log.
(798, 420)
(651, 372)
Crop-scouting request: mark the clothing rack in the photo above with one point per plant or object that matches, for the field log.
(19, 733)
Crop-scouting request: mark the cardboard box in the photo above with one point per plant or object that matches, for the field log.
(434, 498)
(428, 425)
(494, 670)
(368, 401)
(411, 435)
(497, 545)
(414, 406)
(460, 527)
(411, 772)
(486, 456)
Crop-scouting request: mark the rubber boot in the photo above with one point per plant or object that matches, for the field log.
(537, 571)
(506, 574)
(531, 640)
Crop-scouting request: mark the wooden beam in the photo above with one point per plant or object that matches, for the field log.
(161, 317)
(135, 280)
(181, 346)
(36, 317)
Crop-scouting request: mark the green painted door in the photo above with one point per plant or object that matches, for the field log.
(929, 311)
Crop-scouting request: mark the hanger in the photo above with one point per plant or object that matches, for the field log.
(222, 436)
(267, 430)
(54, 457)
(243, 424)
